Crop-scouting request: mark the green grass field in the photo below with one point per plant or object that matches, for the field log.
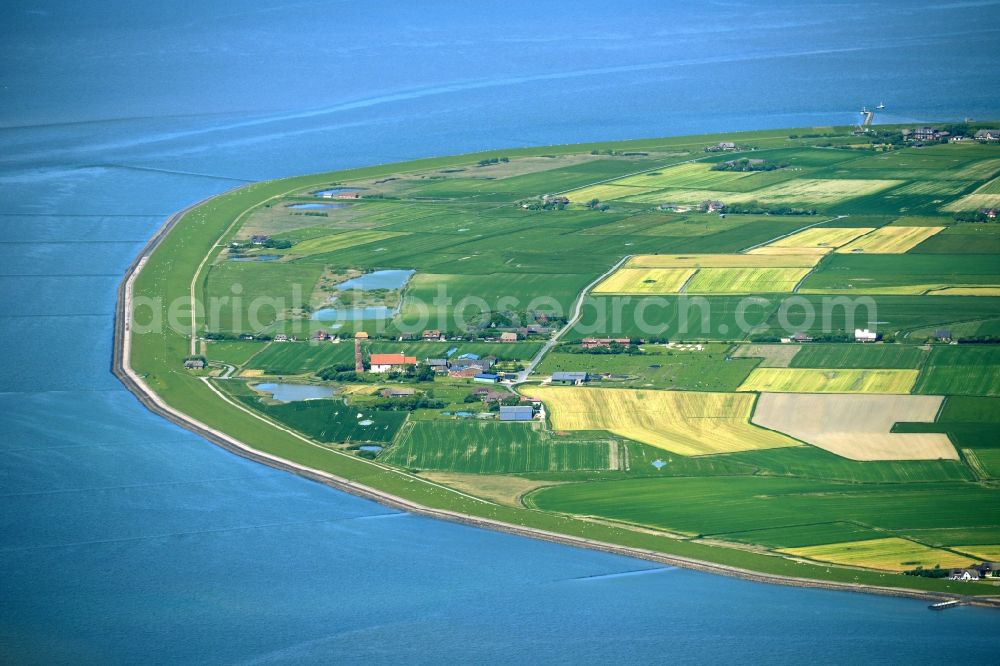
(971, 370)
(859, 356)
(490, 447)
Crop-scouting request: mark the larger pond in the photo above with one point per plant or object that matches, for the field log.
(387, 279)
(368, 313)
(295, 392)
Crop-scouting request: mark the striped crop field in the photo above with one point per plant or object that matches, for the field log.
(685, 176)
(979, 170)
(746, 280)
(645, 281)
(890, 240)
(821, 237)
(684, 422)
(974, 201)
(819, 191)
(857, 427)
(812, 380)
(341, 241)
(804, 260)
(933, 187)
(890, 554)
(605, 192)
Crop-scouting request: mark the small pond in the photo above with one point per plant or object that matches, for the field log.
(388, 279)
(370, 447)
(334, 191)
(295, 392)
(314, 206)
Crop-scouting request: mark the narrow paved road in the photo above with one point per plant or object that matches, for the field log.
(577, 312)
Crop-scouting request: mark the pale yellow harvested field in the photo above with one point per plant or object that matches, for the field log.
(745, 280)
(855, 426)
(684, 422)
(341, 241)
(818, 191)
(891, 554)
(645, 281)
(990, 553)
(890, 240)
(806, 260)
(821, 237)
(812, 380)
(780, 251)
(965, 291)
(775, 356)
(605, 192)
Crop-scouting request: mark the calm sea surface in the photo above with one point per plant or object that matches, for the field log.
(126, 539)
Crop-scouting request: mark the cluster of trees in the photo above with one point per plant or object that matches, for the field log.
(936, 572)
(595, 204)
(271, 243)
(342, 372)
(746, 164)
(619, 153)
(493, 160)
(974, 216)
(755, 208)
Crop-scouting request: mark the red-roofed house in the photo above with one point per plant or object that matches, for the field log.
(386, 362)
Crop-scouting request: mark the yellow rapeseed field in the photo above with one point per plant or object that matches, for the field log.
(890, 554)
(822, 237)
(685, 422)
(811, 380)
(801, 260)
(990, 553)
(778, 250)
(745, 280)
(890, 240)
(645, 281)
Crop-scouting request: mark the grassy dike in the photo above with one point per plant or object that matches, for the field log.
(174, 257)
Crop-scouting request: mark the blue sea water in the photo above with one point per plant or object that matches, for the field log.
(124, 538)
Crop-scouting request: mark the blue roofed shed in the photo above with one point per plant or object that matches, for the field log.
(486, 378)
(517, 413)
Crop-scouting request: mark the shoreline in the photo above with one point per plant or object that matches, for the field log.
(122, 369)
